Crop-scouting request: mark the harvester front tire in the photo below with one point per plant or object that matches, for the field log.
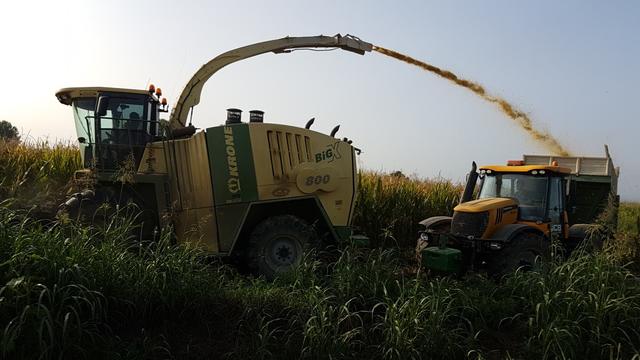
(278, 245)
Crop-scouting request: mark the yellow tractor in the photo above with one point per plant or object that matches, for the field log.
(255, 191)
(517, 210)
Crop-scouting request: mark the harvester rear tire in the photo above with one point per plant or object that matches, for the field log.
(278, 244)
(526, 252)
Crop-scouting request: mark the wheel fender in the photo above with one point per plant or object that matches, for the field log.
(510, 231)
(435, 221)
(578, 231)
(308, 208)
(430, 223)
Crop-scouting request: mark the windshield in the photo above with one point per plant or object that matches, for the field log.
(123, 130)
(83, 113)
(530, 191)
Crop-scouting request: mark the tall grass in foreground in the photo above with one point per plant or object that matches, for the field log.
(36, 172)
(68, 291)
(91, 292)
(628, 236)
(629, 218)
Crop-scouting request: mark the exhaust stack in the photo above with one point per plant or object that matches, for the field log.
(472, 178)
(234, 116)
(256, 116)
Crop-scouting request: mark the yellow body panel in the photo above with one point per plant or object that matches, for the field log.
(481, 205)
(190, 185)
(291, 161)
(498, 217)
(153, 159)
(525, 168)
(66, 95)
(502, 211)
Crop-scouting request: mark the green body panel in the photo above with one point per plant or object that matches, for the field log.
(343, 232)
(360, 241)
(231, 162)
(230, 220)
(443, 259)
(588, 197)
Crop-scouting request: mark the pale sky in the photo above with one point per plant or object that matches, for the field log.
(573, 66)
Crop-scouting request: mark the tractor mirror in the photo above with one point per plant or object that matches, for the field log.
(103, 103)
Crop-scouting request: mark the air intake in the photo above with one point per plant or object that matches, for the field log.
(287, 151)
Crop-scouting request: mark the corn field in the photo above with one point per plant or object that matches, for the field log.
(37, 173)
(389, 207)
(72, 292)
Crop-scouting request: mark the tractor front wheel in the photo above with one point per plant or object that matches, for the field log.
(278, 244)
(527, 250)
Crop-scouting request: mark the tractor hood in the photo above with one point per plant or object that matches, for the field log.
(482, 205)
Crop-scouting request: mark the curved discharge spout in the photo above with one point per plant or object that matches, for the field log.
(518, 116)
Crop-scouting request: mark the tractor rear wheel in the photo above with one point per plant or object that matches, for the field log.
(526, 251)
(278, 244)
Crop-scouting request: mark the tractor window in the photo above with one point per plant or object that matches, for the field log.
(530, 191)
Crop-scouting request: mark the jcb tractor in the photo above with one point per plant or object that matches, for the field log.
(256, 191)
(517, 211)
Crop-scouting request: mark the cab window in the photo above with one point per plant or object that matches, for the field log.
(529, 191)
(124, 130)
(84, 116)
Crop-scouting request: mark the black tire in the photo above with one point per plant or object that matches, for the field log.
(278, 245)
(526, 251)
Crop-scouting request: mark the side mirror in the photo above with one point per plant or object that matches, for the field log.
(103, 103)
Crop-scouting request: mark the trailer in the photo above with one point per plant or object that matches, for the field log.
(591, 182)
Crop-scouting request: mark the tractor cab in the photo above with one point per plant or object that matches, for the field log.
(508, 215)
(113, 125)
(528, 195)
(539, 192)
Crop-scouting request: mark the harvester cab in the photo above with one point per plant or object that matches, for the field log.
(508, 215)
(257, 192)
(113, 125)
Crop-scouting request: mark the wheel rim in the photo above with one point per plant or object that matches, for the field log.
(283, 252)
